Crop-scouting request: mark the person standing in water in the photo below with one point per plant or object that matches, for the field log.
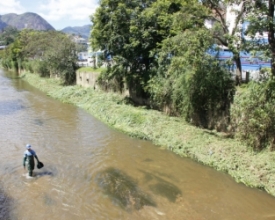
(29, 156)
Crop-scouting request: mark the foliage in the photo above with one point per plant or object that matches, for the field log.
(229, 33)
(40, 67)
(45, 53)
(109, 81)
(159, 49)
(253, 115)
(131, 31)
(12, 56)
(193, 84)
(8, 35)
(61, 57)
(260, 24)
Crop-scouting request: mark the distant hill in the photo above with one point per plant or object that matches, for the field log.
(2, 24)
(83, 31)
(27, 20)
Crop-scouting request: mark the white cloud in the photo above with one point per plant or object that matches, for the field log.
(55, 10)
(11, 6)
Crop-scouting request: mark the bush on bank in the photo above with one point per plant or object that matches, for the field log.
(172, 133)
(253, 115)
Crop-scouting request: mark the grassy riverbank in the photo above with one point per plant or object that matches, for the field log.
(210, 148)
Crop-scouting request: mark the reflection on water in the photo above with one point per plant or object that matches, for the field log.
(48, 200)
(123, 190)
(5, 206)
(162, 187)
(93, 172)
(44, 173)
(38, 121)
(8, 107)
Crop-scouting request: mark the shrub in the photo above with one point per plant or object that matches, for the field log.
(201, 95)
(253, 115)
(41, 68)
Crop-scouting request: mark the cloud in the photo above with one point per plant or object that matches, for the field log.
(11, 6)
(55, 10)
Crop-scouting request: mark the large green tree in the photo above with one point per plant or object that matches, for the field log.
(131, 31)
(190, 82)
(61, 57)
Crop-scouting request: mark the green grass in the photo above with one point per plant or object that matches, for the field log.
(207, 147)
(90, 69)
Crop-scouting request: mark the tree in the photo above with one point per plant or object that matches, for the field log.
(45, 53)
(229, 32)
(252, 115)
(35, 42)
(8, 35)
(261, 20)
(131, 31)
(179, 58)
(61, 57)
(190, 82)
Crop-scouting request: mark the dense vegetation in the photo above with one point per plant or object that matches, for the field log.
(8, 35)
(160, 49)
(49, 53)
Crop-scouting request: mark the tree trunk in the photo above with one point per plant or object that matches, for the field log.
(237, 60)
(273, 64)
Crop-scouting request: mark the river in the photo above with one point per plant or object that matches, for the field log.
(94, 172)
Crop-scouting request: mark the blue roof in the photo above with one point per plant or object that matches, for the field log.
(248, 61)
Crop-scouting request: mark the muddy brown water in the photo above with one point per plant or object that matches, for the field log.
(94, 172)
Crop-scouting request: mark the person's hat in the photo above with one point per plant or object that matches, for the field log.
(28, 146)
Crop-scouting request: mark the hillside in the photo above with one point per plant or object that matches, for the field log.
(2, 24)
(27, 20)
(83, 31)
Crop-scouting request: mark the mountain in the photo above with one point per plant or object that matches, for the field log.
(83, 31)
(2, 24)
(27, 20)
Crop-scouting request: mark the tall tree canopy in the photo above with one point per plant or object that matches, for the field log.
(49, 52)
(131, 31)
(187, 74)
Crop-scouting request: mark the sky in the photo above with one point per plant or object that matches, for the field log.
(58, 13)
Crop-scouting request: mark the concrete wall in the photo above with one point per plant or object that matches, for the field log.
(87, 79)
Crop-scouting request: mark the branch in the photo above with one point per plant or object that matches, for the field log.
(218, 12)
(223, 42)
(238, 18)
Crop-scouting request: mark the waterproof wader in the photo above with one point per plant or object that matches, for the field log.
(30, 163)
